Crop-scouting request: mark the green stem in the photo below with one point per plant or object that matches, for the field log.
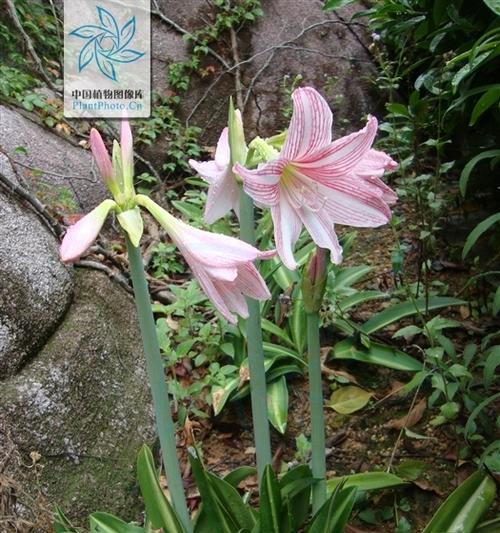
(159, 390)
(258, 386)
(316, 406)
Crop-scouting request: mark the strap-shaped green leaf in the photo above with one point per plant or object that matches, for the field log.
(464, 507)
(335, 512)
(402, 310)
(269, 503)
(158, 508)
(232, 503)
(377, 354)
(107, 523)
(277, 403)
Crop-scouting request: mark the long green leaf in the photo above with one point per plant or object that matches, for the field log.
(490, 366)
(470, 425)
(269, 503)
(359, 298)
(494, 5)
(377, 354)
(402, 310)
(276, 351)
(348, 276)
(299, 497)
(221, 394)
(491, 526)
(330, 5)
(297, 323)
(232, 503)
(158, 508)
(464, 507)
(366, 481)
(275, 330)
(212, 514)
(277, 403)
(271, 375)
(335, 512)
(236, 476)
(478, 231)
(489, 98)
(107, 523)
(469, 167)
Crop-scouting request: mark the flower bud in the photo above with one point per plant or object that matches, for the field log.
(314, 278)
(237, 143)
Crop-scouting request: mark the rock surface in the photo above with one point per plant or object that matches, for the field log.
(35, 287)
(83, 404)
(294, 37)
(64, 172)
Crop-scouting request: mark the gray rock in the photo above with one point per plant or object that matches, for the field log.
(83, 404)
(35, 287)
(67, 175)
(293, 37)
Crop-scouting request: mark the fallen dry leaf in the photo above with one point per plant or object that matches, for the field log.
(410, 419)
(423, 484)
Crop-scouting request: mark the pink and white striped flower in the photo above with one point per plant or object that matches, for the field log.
(119, 178)
(222, 265)
(223, 191)
(318, 183)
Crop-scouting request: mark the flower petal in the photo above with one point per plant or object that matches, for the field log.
(222, 152)
(233, 298)
(101, 155)
(262, 183)
(210, 289)
(223, 195)
(126, 144)
(209, 249)
(223, 274)
(251, 283)
(311, 125)
(320, 227)
(350, 201)
(80, 236)
(208, 170)
(340, 157)
(287, 226)
(374, 163)
(378, 187)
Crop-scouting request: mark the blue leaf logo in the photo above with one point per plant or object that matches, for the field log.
(106, 43)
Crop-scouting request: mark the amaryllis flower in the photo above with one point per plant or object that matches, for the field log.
(223, 191)
(222, 265)
(318, 183)
(118, 176)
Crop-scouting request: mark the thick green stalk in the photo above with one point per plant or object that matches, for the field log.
(316, 406)
(258, 385)
(159, 390)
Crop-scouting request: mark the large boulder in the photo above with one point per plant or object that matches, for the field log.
(35, 288)
(82, 407)
(329, 51)
(74, 398)
(54, 169)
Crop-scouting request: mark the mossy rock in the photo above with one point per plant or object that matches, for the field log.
(83, 404)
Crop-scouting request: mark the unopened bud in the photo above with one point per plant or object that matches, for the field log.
(236, 134)
(314, 278)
